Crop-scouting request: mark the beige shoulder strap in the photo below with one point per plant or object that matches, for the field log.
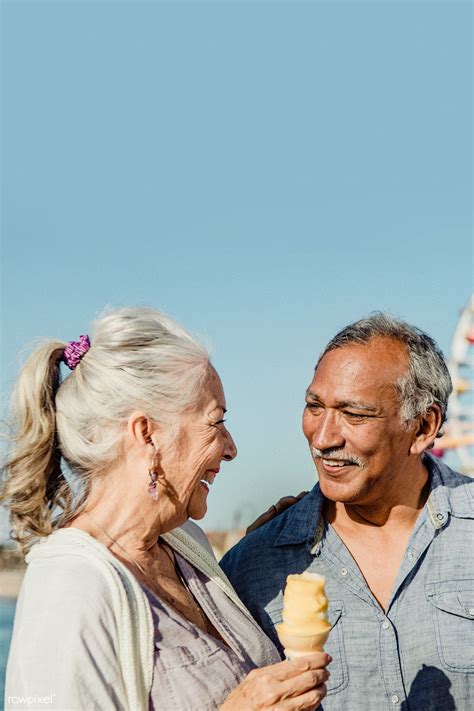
(198, 556)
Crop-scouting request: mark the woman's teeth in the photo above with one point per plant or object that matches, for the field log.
(208, 478)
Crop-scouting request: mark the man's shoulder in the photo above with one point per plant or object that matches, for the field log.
(458, 489)
(292, 527)
(243, 557)
(263, 537)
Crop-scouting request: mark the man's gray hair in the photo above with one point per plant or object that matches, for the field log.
(427, 380)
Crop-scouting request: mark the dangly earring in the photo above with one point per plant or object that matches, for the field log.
(152, 488)
(154, 475)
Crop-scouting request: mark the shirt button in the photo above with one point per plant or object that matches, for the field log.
(471, 611)
(410, 555)
(343, 572)
(440, 516)
(385, 625)
(395, 699)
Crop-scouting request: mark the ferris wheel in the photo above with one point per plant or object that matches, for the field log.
(460, 424)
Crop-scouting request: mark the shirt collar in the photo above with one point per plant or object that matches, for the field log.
(448, 495)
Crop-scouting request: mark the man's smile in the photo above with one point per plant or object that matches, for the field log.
(335, 465)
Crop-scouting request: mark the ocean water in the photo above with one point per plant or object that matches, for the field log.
(7, 612)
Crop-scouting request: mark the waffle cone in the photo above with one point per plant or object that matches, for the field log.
(297, 645)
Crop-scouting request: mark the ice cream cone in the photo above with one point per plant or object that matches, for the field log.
(299, 645)
(305, 627)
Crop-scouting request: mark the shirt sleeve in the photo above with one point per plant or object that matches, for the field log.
(64, 652)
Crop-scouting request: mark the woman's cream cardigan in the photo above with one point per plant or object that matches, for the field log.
(83, 635)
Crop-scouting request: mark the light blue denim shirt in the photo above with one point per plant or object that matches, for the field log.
(418, 654)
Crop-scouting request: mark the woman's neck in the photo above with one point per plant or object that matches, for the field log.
(121, 515)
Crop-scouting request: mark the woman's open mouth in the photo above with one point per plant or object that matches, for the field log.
(208, 479)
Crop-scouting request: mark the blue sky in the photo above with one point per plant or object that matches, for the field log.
(265, 172)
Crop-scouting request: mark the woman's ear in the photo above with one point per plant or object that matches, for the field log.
(428, 427)
(141, 428)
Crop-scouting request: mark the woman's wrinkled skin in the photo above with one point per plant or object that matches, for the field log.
(288, 686)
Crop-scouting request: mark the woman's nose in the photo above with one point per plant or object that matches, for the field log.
(230, 450)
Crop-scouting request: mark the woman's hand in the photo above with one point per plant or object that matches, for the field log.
(293, 685)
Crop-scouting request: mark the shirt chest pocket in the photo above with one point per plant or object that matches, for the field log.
(335, 647)
(196, 651)
(197, 676)
(453, 618)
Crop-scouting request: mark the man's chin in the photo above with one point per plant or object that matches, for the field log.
(343, 492)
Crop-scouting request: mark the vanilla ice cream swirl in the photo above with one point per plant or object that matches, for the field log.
(305, 605)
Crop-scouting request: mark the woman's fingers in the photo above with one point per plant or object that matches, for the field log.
(271, 693)
(298, 687)
(294, 667)
(286, 686)
(303, 683)
(306, 702)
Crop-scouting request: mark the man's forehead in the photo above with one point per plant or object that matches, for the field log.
(381, 361)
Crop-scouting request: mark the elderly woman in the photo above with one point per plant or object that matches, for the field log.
(123, 605)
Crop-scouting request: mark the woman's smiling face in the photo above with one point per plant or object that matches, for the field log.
(193, 457)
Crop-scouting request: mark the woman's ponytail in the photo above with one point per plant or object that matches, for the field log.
(139, 359)
(34, 484)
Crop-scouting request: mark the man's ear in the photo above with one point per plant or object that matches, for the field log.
(428, 427)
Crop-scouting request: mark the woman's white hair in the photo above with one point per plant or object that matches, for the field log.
(139, 359)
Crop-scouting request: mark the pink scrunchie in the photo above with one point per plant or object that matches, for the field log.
(75, 351)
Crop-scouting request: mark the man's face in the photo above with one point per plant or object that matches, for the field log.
(352, 420)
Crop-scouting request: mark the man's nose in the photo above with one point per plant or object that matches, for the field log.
(327, 433)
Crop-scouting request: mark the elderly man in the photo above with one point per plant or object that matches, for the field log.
(389, 527)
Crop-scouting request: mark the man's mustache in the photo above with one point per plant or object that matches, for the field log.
(336, 454)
